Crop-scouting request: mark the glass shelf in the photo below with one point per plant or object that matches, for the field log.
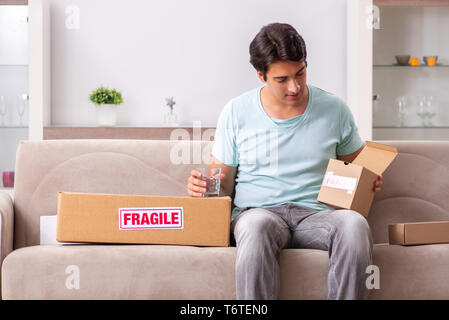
(409, 66)
(13, 127)
(411, 127)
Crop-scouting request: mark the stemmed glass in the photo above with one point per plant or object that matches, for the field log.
(430, 111)
(401, 103)
(2, 109)
(21, 105)
(425, 110)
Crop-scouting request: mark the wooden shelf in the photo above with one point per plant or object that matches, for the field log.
(119, 132)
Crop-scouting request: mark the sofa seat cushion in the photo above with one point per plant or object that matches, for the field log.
(187, 272)
(145, 272)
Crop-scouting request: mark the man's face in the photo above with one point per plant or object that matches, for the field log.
(286, 81)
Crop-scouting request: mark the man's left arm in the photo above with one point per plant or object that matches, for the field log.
(350, 157)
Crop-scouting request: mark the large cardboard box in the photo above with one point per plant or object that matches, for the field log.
(413, 233)
(112, 218)
(350, 185)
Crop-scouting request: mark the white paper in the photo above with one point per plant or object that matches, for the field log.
(48, 231)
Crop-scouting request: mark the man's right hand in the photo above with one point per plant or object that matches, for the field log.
(196, 187)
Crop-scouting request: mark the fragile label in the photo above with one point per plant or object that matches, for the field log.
(339, 182)
(151, 218)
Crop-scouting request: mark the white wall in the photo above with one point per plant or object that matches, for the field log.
(194, 50)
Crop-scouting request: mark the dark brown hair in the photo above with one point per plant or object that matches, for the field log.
(276, 42)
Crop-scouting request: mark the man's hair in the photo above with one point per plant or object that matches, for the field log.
(276, 42)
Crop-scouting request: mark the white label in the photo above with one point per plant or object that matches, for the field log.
(339, 182)
(151, 218)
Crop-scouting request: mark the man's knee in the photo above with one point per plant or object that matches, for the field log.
(354, 227)
(257, 224)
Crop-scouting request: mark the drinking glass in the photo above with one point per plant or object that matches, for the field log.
(21, 105)
(2, 109)
(401, 103)
(422, 110)
(430, 110)
(212, 177)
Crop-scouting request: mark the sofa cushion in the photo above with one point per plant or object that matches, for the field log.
(147, 272)
(185, 272)
(415, 188)
(138, 167)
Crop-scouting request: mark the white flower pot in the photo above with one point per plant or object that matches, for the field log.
(106, 115)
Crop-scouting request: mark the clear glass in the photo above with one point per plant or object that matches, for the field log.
(402, 110)
(2, 109)
(212, 176)
(171, 118)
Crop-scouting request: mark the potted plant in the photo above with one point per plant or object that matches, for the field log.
(106, 101)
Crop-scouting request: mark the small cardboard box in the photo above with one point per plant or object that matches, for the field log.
(350, 185)
(112, 218)
(419, 233)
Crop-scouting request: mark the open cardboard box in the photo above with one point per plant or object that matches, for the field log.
(350, 185)
(113, 218)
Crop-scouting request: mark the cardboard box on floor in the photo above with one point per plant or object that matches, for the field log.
(350, 185)
(139, 219)
(413, 233)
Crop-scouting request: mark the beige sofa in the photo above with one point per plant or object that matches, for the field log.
(416, 188)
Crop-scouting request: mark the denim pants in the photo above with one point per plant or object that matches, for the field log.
(261, 234)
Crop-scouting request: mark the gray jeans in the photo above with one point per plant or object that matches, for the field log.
(261, 234)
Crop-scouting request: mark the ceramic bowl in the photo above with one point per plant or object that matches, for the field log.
(402, 59)
(425, 59)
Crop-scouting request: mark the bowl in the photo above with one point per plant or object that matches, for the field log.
(425, 59)
(403, 59)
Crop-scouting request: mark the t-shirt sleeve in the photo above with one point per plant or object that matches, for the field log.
(224, 148)
(350, 140)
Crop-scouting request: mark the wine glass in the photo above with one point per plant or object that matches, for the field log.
(2, 109)
(21, 105)
(376, 101)
(430, 110)
(401, 103)
(422, 109)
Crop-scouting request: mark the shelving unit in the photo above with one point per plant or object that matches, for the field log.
(410, 27)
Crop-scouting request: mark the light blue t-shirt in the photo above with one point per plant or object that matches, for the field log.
(281, 161)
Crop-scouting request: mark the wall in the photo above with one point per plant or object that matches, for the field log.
(195, 51)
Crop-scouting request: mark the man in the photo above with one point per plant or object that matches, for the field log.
(300, 126)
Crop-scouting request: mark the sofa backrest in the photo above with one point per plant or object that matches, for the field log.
(416, 185)
(141, 167)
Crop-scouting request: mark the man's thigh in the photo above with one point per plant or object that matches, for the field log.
(317, 230)
(258, 223)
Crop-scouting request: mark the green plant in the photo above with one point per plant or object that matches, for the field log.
(104, 95)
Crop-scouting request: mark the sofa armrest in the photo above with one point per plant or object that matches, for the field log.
(6, 225)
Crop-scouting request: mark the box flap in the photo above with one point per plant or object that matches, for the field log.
(376, 157)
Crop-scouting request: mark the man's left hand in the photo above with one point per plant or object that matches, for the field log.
(377, 184)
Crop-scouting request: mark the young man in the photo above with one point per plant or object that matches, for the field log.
(300, 127)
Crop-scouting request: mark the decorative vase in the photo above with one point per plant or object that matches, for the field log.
(8, 179)
(106, 115)
(171, 118)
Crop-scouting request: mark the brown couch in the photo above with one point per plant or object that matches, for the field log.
(416, 188)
